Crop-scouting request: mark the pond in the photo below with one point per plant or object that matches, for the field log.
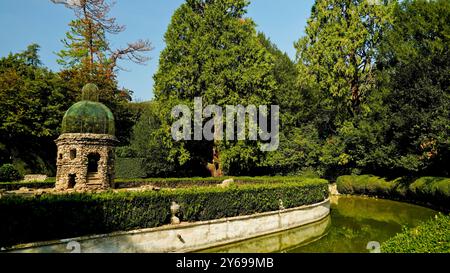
(352, 224)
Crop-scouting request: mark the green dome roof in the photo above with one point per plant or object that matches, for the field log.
(88, 117)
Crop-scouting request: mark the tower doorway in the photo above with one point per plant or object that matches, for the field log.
(93, 160)
(72, 181)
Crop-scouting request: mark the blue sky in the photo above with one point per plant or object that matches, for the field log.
(40, 21)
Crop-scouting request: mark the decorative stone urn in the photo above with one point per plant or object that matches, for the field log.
(86, 146)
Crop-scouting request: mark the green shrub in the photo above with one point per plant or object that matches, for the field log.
(130, 168)
(434, 191)
(51, 217)
(364, 184)
(430, 237)
(9, 173)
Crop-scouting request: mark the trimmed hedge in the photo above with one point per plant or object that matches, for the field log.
(159, 182)
(168, 182)
(13, 186)
(200, 182)
(363, 184)
(433, 191)
(201, 204)
(49, 217)
(430, 237)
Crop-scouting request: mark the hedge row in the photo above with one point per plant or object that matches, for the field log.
(432, 191)
(200, 182)
(158, 182)
(13, 186)
(48, 217)
(432, 236)
(168, 182)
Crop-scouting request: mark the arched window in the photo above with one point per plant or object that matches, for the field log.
(93, 160)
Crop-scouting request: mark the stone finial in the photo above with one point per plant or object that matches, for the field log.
(174, 209)
(90, 92)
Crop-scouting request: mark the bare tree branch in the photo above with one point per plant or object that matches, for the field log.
(133, 52)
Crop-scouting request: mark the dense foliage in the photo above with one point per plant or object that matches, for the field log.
(373, 91)
(63, 216)
(432, 236)
(147, 149)
(416, 63)
(130, 168)
(32, 103)
(350, 104)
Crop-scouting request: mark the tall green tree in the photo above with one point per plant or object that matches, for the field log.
(337, 76)
(213, 52)
(337, 55)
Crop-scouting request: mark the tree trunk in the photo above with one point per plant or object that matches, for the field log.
(215, 168)
(90, 40)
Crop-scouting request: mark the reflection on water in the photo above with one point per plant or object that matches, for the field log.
(354, 222)
(278, 242)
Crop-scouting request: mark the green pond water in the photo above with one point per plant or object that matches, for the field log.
(352, 224)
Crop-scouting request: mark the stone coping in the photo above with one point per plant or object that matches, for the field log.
(86, 137)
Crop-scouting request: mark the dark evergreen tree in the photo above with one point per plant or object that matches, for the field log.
(213, 52)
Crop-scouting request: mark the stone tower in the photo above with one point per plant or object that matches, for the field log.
(86, 146)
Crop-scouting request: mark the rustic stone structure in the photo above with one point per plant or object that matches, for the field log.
(86, 147)
(85, 161)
